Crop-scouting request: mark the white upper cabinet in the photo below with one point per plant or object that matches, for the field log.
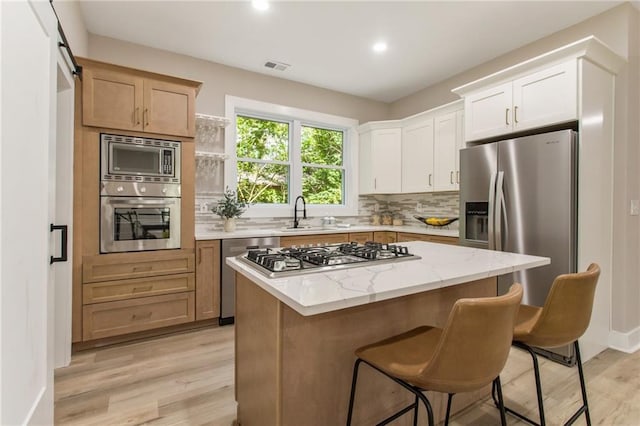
(546, 97)
(538, 99)
(417, 157)
(445, 153)
(380, 161)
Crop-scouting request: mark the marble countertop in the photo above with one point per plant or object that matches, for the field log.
(441, 265)
(207, 232)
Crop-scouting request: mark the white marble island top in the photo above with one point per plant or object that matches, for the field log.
(441, 265)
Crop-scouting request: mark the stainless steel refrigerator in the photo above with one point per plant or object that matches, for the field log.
(520, 195)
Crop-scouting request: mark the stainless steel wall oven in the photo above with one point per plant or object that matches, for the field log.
(140, 194)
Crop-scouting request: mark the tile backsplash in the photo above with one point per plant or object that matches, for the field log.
(210, 186)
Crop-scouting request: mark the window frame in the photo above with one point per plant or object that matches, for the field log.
(297, 118)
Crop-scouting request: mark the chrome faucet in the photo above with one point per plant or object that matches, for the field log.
(295, 210)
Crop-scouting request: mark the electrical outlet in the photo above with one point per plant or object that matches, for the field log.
(419, 207)
(635, 208)
(376, 207)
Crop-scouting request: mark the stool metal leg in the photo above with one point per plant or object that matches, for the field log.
(583, 387)
(415, 413)
(503, 414)
(446, 419)
(354, 380)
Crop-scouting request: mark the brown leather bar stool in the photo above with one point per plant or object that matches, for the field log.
(467, 354)
(562, 320)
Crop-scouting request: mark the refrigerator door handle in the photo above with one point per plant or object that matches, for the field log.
(500, 207)
(492, 199)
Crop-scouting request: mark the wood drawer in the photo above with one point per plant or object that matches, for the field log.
(385, 237)
(444, 240)
(407, 236)
(128, 316)
(361, 237)
(298, 240)
(110, 291)
(119, 266)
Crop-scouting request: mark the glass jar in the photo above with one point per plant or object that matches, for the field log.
(387, 218)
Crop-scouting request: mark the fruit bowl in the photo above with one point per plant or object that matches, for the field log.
(436, 221)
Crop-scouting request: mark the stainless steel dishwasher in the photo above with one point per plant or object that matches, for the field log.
(235, 247)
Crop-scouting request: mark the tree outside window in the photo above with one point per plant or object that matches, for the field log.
(266, 160)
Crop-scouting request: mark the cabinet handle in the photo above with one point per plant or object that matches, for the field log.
(141, 268)
(375, 183)
(137, 116)
(63, 242)
(429, 179)
(451, 177)
(506, 117)
(515, 114)
(141, 289)
(199, 255)
(141, 316)
(146, 116)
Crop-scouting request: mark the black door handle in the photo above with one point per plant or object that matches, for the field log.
(63, 257)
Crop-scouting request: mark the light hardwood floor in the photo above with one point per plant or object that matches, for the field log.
(187, 379)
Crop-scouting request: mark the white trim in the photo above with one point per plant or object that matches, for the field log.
(293, 115)
(626, 342)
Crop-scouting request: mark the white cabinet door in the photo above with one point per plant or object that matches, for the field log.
(488, 113)
(460, 144)
(417, 157)
(445, 152)
(386, 160)
(365, 169)
(546, 97)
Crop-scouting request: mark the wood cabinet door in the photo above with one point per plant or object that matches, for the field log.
(111, 99)
(546, 97)
(384, 237)
(417, 157)
(169, 108)
(360, 237)
(404, 237)
(386, 160)
(207, 279)
(488, 112)
(445, 152)
(319, 239)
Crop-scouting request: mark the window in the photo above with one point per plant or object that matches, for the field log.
(283, 152)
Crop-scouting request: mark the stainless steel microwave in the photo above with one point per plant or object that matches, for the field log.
(134, 159)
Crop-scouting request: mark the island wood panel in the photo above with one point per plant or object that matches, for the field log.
(207, 279)
(110, 291)
(304, 364)
(322, 239)
(384, 237)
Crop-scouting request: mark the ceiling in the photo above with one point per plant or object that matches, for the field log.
(329, 43)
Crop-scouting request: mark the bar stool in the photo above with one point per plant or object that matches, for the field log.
(467, 354)
(562, 320)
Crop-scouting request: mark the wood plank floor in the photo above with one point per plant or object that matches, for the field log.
(187, 379)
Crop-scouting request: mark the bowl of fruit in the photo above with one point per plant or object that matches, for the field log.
(437, 221)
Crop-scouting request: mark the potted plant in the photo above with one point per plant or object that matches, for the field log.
(229, 208)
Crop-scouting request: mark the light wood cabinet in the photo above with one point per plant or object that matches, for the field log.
(537, 99)
(108, 319)
(207, 279)
(408, 236)
(360, 237)
(318, 239)
(110, 291)
(384, 237)
(125, 99)
(118, 266)
(380, 160)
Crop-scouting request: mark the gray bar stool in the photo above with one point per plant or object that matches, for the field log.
(562, 320)
(466, 355)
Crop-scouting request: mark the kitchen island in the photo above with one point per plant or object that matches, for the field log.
(295, 335)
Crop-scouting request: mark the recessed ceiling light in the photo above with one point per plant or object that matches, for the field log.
(380, 47)
(260, 4)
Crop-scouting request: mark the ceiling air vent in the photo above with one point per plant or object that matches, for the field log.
(278, 66)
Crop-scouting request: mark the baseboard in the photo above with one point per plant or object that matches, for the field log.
(626, 342)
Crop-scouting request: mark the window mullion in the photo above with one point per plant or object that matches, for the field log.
(296, 160)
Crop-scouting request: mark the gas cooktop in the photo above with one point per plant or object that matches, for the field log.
(298, 260)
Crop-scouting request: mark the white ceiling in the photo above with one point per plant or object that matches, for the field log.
(328, 43)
